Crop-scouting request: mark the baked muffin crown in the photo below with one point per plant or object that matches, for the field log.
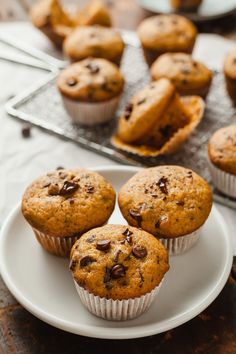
(222, 149)
(118, 262)
(94, 41)
(167, 32)
(167, 201)
(68, 202)
(91, 80)
(184, 72)
(230, 65)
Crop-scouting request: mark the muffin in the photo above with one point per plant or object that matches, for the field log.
(185, 5)
(230, 74)
(118, 270)
(189, 76)
(170, 202)
(94, 41)
(156, 120)
(222, 160)
(166, 33)
(49, 17)
(94, 13)
(90, 90)
(62, 205)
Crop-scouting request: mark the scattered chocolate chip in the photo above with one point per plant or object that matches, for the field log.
(90, 189)
(180, 202)
(106, 87)
(116, 258)
(26, 131)
(53, 189)
(86, 260)
(189, 174)
(68, 188)
(166, 130)
(195, 64)
(135, 214)
(164, 198)
(128, 110)
(161, 219)
(90, 239)
(71, 81)
(139, 251)
(60, 168)
(72, 201)
(128, 234)
(107, 275)
(73, 264)
(154, 195)
(141, 101)
(117, 271)
(162, 184)
(141, 278)
(93, 68)
(103, 245)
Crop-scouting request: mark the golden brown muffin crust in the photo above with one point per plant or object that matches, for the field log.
(167, 33)
(68, 202)
(118, 262)
(230, 65)
(185, 4)
(222, 149)
(91, 80)
(187, 74)
(167, 201)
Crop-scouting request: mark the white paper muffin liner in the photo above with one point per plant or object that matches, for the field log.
(224, 181)
(178, 245)
(91, 113)
(116, 310)
(60, 246)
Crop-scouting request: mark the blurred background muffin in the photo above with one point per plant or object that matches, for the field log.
(185, 5)
(230, 74)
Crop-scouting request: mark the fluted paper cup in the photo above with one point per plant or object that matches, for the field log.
(116, 310)
(60, 246)
(178, 245)
(91, 113)
(224, 181)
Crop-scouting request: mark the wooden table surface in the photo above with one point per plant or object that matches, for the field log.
(213, 331)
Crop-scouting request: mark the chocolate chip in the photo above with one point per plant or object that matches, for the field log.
(162, 184)
(189, 174)
(90, 189)
(106, 87)
(116, 258)
(86, 260)
(154, 195)
(141, 278)
(141, 101)
(135, 214)
(90, 239)
(93, 68)
(127, 233)
(68, 188)
(128, 110)
(117, 271)
(103, 245)
(166, 130)
(139, 251)
(53, 189)
(73, 264)
(60, 168)
(161, 219)
(26, 130)
(71, 81)
(72, 201)
(180, 202)
(107, 279)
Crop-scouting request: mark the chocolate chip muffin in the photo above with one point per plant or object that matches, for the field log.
(171, 202)
(90, 90)
(166, 33)
(230, 74)
(94, 41)
(156, 120)
(62, 205)
(222, 159)
(189, 76)
(185, 5)
(117, 262)
(50, 18)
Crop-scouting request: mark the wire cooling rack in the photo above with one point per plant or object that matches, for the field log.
(30, 106)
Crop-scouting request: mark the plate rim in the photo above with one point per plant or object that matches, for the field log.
(124, 331)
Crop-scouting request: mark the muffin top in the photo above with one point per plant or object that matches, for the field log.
(94, 41)
(167, 32)
(167, 201)
(91, 80)
(230, 65)
(182, 70)
(144, 109)
(222, 149)
(68, 202)
(118, 262)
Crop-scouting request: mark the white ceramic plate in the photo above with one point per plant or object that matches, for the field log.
(43, 285)
(209, 10)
